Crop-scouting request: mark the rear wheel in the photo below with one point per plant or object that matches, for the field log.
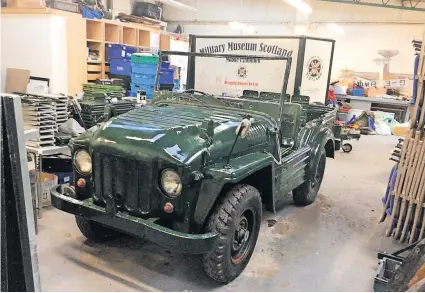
(306, 193)
(94, 231)
(237, 219)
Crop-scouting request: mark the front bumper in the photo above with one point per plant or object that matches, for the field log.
(181, 242)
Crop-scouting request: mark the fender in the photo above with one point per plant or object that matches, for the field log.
(322, 138)
(217, 175)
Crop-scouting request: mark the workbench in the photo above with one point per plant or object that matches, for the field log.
(398, 107)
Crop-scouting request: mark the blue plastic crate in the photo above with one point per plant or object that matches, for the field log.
(167, 76)
(147, 79)
(120, 66)
(357, 92)
(118, 51)
(165, 64)
(147, 88)
(143, 68)
(177, 84)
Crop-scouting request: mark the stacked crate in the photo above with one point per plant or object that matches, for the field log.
(39, 113)
(143, 67)
(119, 62)
(166, 79)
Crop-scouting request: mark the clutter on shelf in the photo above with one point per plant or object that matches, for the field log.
(45, 113)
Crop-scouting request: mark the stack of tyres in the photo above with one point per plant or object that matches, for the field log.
(119, 62)
(143, 68)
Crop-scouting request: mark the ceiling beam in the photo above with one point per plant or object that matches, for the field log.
(357, 2)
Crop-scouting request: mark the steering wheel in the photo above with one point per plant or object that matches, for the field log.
(192, 91)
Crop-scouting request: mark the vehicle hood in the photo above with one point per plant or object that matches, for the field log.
(177, 133)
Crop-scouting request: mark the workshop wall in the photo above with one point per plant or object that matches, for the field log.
(37, 43)
(365, 30)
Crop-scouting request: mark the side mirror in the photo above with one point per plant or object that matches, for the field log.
(243, 128)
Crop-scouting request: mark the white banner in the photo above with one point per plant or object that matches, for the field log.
(231, 76)
(316, 70)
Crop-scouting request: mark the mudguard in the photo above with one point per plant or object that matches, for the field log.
(217, 175)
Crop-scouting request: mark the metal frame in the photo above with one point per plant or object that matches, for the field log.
(300, 60)
(383, 5)
(18, 245)
(194, 54)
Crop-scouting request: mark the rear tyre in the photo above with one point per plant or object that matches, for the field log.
(237, 219)
(306, 193)
(94, 231)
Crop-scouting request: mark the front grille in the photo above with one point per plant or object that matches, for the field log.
(129, 182)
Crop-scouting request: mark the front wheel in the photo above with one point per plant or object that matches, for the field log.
(237, 219)
(94, 231)
(306, 193)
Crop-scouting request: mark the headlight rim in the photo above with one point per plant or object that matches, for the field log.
(161, 185)
(77, 167)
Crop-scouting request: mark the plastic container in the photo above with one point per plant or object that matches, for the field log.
(143, 68)
(146, 79)
(120, 67)
(118, 51)
(147, 88)
(176, 84)
(144, 59)
(165, 65)
(167, 76)
(357, 92)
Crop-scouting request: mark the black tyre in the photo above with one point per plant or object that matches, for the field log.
(347, 147)
(237, 218)
(94, 231)
(306, 193)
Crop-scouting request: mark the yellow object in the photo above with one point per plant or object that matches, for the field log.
(400, 130)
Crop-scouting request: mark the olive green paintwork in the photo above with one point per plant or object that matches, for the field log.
(193, 135)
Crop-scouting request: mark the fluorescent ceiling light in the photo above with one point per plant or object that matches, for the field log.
(335, 28)
(179, 5)
(300, 5)
(242, 27)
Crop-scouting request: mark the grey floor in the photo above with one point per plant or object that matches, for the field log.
(328, 246)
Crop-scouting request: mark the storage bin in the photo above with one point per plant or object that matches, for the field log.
(147, 88)
(147, 79)
(144, 59)
(165, 65)
(167, 76)
(143, 68)
(118, 51)
(120, 66)
(357, 92)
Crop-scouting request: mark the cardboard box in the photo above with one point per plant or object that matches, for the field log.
(48, 181)
(26, 3)
(17, 80)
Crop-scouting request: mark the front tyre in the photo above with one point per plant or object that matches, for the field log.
(237, 219)
(94, 231)
(306, 193)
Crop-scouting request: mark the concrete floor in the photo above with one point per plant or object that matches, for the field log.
(328, 246)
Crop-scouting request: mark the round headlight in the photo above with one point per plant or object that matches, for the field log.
(171, 183)
(82, 161)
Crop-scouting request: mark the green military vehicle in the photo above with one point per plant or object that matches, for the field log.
(192, 171)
